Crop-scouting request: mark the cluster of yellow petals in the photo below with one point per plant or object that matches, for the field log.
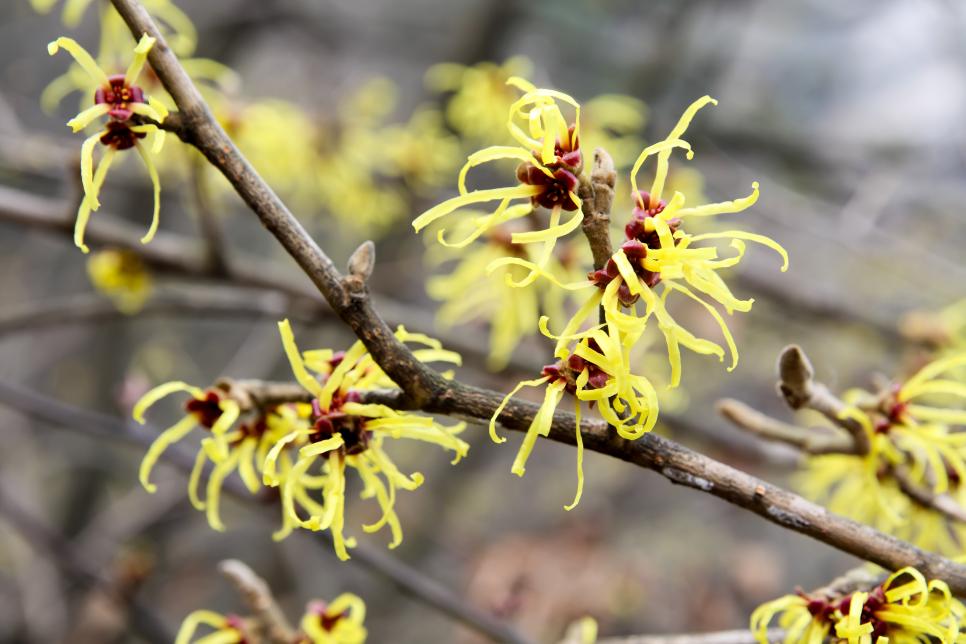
(923, 437)
(685, 265)
(278, 450)
(92, 179)
(536, 123)
(339, 622)
(356, 373)
(121, 276)
(906, 607)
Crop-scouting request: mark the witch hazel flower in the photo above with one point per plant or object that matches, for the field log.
(119, 99)
(549, 163)
(344, 433)
(595, 370)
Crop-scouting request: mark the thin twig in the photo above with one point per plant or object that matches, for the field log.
(742, 636)
(43, 538)
(268, 617)
(798, 387)
(810, 441)
(425, 389)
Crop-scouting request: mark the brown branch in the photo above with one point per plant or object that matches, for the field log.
(941, 503)
(268, 618)
(87, 308)
(742, 636)
(800, 390)
(810, 441)
(181, 256)
(42, 538)
(422, 388)
(597, 196)
(209, 223)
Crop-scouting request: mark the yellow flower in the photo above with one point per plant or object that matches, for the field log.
(918, 439)
(904, 608)
(177, 28)
(548, 152)
(230, 448)
(479, 95)
(119, 99)
(346, 432)
(421, 152)
(340, 622)
(658, 252)
(122, 276)
(229, 629)
(595, 371)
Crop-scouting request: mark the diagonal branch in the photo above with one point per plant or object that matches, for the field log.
(425, 389)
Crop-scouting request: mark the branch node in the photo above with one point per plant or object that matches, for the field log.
(360, 266)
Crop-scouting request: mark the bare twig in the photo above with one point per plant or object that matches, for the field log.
(269, 619)
(43, 538)
(211, 229)
(942, 503)
(810, 441)
(87, 308)
(797, 386)
(423, 388)
(742, 636)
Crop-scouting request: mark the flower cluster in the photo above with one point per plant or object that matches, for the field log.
(305, 449)
(904, 608)
(914, 430)
(593, 359)
(120, 99)
(338, 622)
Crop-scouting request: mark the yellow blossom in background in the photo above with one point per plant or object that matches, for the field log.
(421, 151)
(347, 432)
(228, 629)
(177, 28)
(118, 98)
(122, 276)
(468, 293)
(905, 435)
(340, 622)
(944, 329)
(614, 122)
(905, 608)
(479, 96)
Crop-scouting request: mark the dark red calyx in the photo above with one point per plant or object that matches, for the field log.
(119, 96)
(328, 423)
(568, 370)
(554, 190)
(635, 252)
(206, 409)
(119, 136)
(320, 608)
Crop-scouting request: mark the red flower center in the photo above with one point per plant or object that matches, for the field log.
(119, 95)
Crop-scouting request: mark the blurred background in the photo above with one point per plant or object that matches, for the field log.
(848, 114)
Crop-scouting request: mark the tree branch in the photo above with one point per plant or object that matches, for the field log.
(810, 441)
(270, 619)
(425, 389)
(597, 196)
